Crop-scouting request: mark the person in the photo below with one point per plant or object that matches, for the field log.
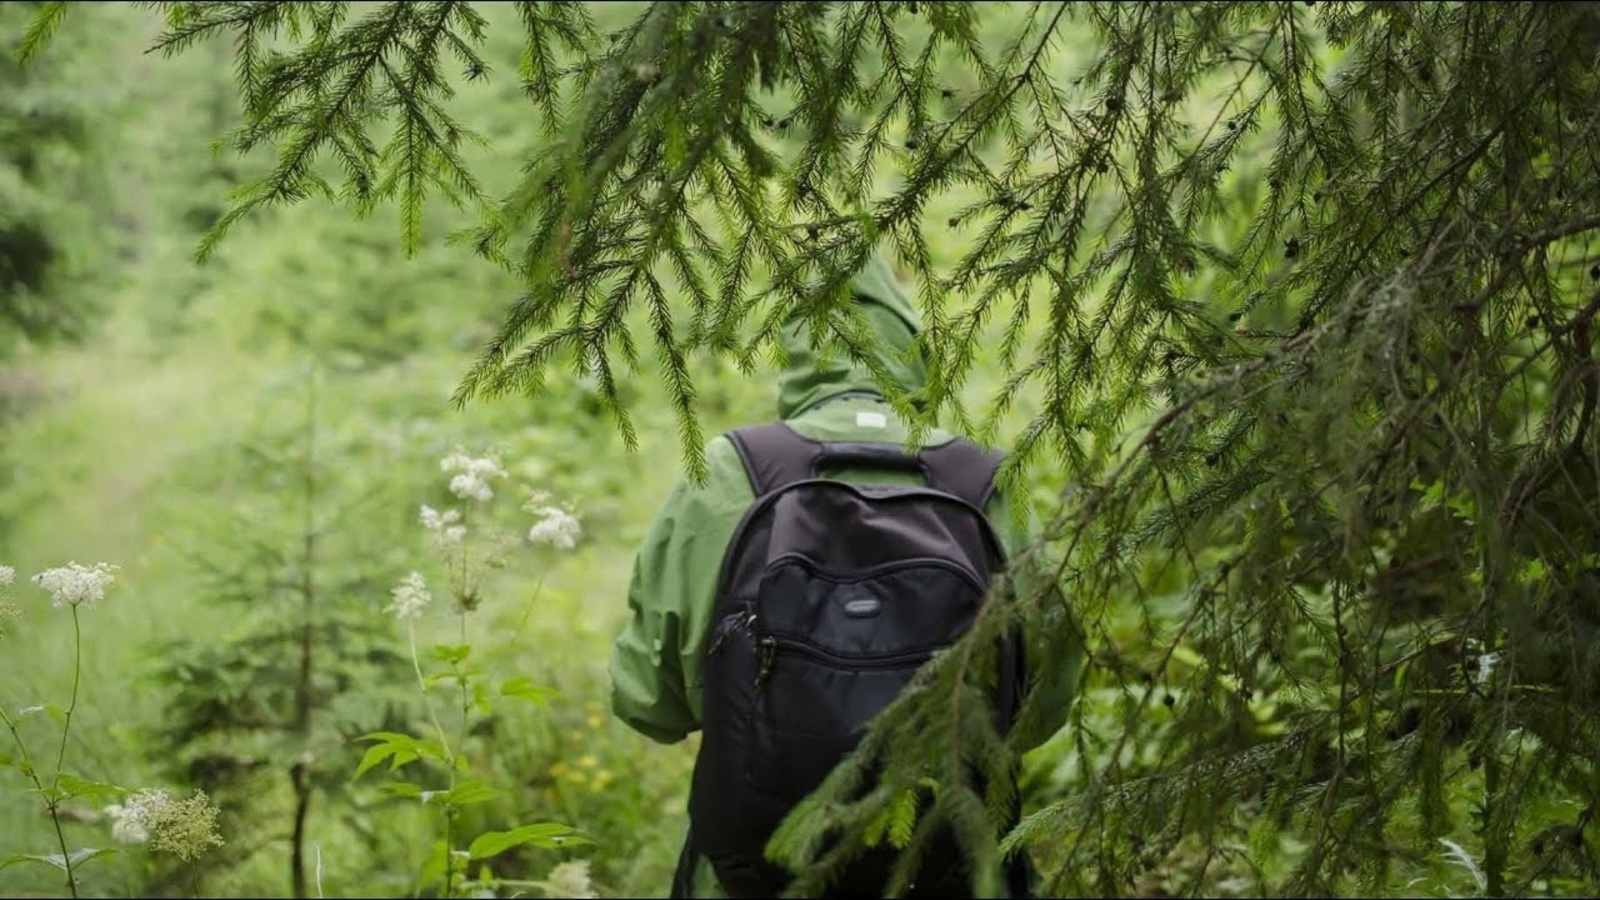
(658, 662)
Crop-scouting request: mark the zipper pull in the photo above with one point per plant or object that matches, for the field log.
(728, 626)
(721, 638)
(769, 650)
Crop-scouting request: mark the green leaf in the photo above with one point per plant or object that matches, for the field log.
(403, 789)
(450, 654)
(53, 710)
(544, 835)
(399, 749)
(16, 858)
(44, 24)
(73, 786)
(51, 795)
(481, 698)
(903, 819)
(373, 756)
(523, 688)
(77, 857)
(469, 792)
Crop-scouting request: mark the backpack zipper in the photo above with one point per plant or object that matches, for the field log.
(770, 645)
(769, 652)
(743, 619)
(965, 573)
(763, 501)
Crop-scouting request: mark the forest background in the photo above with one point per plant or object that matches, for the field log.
(251, 440)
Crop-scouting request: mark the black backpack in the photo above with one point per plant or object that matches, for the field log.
(831, 596)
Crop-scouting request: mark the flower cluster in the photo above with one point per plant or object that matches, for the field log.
(130, 822)
(570, 879)
(555, 526)
(185, 828)
(411, 597)
(76, 585)
(472, 475)
(445, 526)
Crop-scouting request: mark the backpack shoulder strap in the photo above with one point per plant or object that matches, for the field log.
(963, 468)
(773, 455)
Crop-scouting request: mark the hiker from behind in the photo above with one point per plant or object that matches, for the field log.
(780, 604)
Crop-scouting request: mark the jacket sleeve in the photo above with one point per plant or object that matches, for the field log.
(655, 667)
(1053, 640)
(648, 691)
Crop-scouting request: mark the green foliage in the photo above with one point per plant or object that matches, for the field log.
(467, 544)
(142, 444)
(77, 589)
(43, 143)
(1286, 307)
(262, 716)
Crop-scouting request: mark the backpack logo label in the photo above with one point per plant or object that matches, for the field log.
(864, 608)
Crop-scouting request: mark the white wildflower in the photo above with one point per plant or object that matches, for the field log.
(129, 824)
(555, 526)
(446, 526)
(469, 486)
(411, 597)
(7, 575)
(182, 827)
(75, 585)
(456, 460)
(570, 879)
(472, 478)
(431, 518)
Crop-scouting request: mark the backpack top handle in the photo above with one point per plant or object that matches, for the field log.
(868, 456)
(774, 456)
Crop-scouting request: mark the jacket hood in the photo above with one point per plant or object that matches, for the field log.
(808, 380)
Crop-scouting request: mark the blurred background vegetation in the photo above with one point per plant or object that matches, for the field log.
(155, 414)
(228, 433)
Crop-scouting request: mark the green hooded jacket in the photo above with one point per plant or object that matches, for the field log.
(656, 663)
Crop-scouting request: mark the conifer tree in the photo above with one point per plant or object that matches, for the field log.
(41, 140)
(1305, 293)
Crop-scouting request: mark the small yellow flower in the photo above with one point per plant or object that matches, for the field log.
(579, 778)
(589, 762)
(594, 721)
(558, 769)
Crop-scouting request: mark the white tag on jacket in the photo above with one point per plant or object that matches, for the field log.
(871, 420)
